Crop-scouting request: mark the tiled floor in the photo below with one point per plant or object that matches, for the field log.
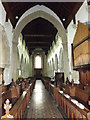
(42, 105)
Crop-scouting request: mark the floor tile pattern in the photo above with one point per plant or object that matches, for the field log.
(42, 104)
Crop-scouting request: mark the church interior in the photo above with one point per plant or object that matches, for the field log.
(45, 59)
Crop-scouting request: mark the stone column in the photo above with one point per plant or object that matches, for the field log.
(65, 59)
(14, 61)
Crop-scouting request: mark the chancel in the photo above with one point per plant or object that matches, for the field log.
(44, 59)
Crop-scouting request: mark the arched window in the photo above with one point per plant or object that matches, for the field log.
(38, 62)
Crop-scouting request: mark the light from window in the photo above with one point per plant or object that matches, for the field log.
(38, 62)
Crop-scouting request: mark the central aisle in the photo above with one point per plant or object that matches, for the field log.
(42, 104)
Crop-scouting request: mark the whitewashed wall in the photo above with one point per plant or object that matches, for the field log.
(6, 50)
(2, 14)
(25, 64)
(51, 61)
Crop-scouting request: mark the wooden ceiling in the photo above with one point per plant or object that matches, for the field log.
(40, 33)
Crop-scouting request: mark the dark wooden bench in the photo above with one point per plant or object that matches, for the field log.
(19, 108)
(70, 109)
(3, 97)
(12, 94)
(46, 81)
(18, 102)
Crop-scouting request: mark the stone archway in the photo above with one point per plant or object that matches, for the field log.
(35, 12)
(45, 13)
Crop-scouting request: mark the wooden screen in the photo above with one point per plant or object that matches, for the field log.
(81, 45)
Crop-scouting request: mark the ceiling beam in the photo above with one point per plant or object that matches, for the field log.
(31, 49)
(38, 47)
(39, 42)
(37, 35)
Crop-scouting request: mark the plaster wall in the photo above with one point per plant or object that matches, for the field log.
(2, 14)
(24, 59)
(52, 60)
(5, 45)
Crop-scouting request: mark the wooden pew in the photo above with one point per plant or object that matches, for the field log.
(2, 88)
(82, 94)
(3, 97)
(18, 90)
(21, 102)
(46, 81)
(71, 109)
(19, 108)
(56, 89)
(12, 94)
(78, 92)
(32, 85)
(51, 88)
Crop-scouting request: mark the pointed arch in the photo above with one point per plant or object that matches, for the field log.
(35, 12)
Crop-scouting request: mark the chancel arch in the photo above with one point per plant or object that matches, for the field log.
(47, 14)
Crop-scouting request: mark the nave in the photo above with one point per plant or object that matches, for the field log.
(42, 105)
(44, 41)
